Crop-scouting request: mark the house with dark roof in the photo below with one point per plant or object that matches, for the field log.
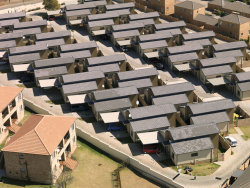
(241, 85)
(77, 17)
(42, 24)
(40, 148)
(171, 25)
(235, 26)
(188, 10)
(142, 16)
(121, 6)
(191, 143)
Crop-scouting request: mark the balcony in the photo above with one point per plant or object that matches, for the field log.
(12, 105)
(5, 112)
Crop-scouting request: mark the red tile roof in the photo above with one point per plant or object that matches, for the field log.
(7, 94)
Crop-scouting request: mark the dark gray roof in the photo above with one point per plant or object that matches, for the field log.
(144, 16)
(236, 19)
(203, 42)
(31, 24)
(229, 46)
(85, 5)
(121, 12)
(120, 6)
(209, 20)
(78, 46)
(145, 22)
(243, 180)
(211, 106)
(52, 43)
(129, 26)
(103, 16)
(218, 117)
(189, 5)
(53, 35)
(243, 76)
(8, 16)
(7, 44)
(146, 125)
(198, 35)
(137, 74)
(29, 31)
(151, 111)
(84, 87)
(184, 48)
(210, 62)
(173, 32)
(141, 83)
(24, 58)
(106, 59)
(155, 36)
(101, 23)
(122, 34)
(10, 36)
(232, 53)
(4, 23)
(172, 89)
(172, 99)
(111, 68)
(77, 55)
(112, 105)
(245, 86)
(27, 49)
(82, 77)
(224, 69)
(78, 12)
(154, 44)
(192, 145)
(53, 71)
(193, 131)
(45, 63)
(183, 57)
(115, 93)
(170, 25)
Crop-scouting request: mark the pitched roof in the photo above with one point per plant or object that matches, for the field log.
(78, 12)
(146, 22)
(8, 16)
(27, 49)
(184, 48)
(209, 20)
(120, 6)
(110, 68)
(101, 23)
(112, 105)
(143, 16)
(155, 36)
(81, 54)
(170, 25)
(193, 131)
(243, 180)
(218, 117)
(245, 86)
(78, 46)
(190, 5)
(145, 125)
(106, 59)
(210, 62)
(192, 145)
(52, 71)
(7, 94)
(45, 63)
(128, 26)
(231, 53)
(224, 69)
(137, 74)
(172, 89)
(183, 57)
(198, 35)
(141, 83)
(172, 99)
(229, 46)
(22, 25)
(243, 76)
(82, 77)
(53, 35)
(151, 111)
(154, 44)
(83, 87)
(122, 34)
(211, 106)
(203, 42)
(40, 134)
(236, 19)
(24, 58)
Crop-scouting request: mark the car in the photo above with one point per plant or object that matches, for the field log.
(112, 127)
(151, 149)
(232, 141)
(52, 18)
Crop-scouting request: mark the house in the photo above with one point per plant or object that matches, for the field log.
(38, 151)
(77, 17)
(16, 15)
(164, 6)
(242, 85)
(95, 7)
(235, 26)
(159, 93)
(11, 110)
(229, 7)
(191, 143)
(150, 15)
(242, 179)
(176, 35)
(80, 84)
(48, 77)
(231, 46)
(65, 36)
(223, 105)
(15, 39)
(42, 24)
(23, 62)
(205, 43)
(149, 25)
(100, 27)
(188, 10)
(28, 34)
(8, 20)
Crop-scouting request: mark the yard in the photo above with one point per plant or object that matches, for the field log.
(246, 131)
(203, 169)
(232, 130)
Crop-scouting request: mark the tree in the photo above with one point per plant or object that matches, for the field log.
(51, 4)
(64, 179)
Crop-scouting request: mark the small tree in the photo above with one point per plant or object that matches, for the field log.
(64, 179)
(51, 4)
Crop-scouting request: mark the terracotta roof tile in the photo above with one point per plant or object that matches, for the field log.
(7, 94)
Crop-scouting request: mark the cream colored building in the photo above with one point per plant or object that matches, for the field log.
(38, 151)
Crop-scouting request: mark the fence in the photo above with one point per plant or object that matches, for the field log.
(243, 122)
(226, 146)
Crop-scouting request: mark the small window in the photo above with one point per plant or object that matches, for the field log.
(22, 170)
(21, 156)
(194, 154)
(241, 33)
(167, 8)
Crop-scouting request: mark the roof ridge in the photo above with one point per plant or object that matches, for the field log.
(39, 136)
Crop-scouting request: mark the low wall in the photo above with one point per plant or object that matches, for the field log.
(243, 122)
(226, 146)
(35, 107)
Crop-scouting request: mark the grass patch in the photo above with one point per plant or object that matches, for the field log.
(246, 131)
(232, 130)
(21, 85)
(203, 169)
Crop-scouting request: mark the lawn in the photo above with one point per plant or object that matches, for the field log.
(203, 169)
(246, 131)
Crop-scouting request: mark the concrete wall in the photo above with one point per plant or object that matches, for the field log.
(225, 146)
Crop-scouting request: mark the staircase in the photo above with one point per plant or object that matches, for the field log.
(70, 163)
(13, 128)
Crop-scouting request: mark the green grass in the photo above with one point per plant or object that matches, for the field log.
(246, 131)
(203, 169)
(21, 85)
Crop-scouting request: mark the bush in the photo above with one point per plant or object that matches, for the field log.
(51, 4)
